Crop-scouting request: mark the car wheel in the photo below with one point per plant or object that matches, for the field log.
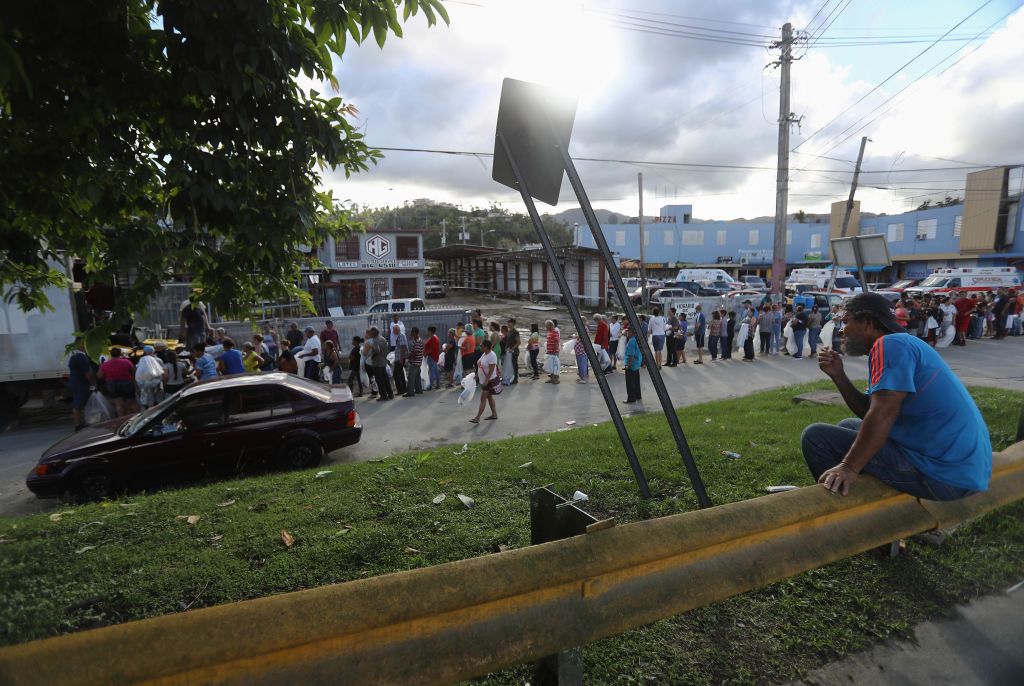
(94, 486)
(300, 453)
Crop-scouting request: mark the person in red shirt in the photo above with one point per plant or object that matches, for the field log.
(118, 374)
(602, 336)
(552, 364)
(330, 334)
(432, 352)
(964, 306)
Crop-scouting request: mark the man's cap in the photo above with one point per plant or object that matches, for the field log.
(877, 307)
(148, 349)
(310, 329)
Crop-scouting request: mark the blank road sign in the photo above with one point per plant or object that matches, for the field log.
(535, 121)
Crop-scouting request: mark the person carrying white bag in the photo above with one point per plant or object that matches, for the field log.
(149, 376)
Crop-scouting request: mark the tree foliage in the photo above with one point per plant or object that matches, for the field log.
(155, 137)
(494, 225)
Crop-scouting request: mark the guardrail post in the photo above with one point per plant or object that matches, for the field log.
(552, 518)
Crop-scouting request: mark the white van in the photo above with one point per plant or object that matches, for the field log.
(845, 281)
(979, 279)
(397, 305)
(706, 275)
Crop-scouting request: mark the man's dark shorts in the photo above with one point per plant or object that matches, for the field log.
(79, 395)
(121, 389)
(698, 339)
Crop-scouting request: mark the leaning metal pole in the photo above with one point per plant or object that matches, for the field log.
(577, 320)
(634, 323)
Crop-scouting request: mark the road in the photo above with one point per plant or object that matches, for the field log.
(533, 407)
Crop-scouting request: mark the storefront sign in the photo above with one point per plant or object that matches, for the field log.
(813, 256)
(378, 246)
(379, 264)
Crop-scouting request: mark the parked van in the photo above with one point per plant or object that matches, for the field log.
(967, 279)
(706, 275)
(755, 283)
(396, 305)
(845, 281)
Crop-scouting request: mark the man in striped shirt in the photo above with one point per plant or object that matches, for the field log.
(552, 365)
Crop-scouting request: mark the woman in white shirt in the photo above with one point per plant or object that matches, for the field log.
(489, 380)
(658, 327)
(614, 331)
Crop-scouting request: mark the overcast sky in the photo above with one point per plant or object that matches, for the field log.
(647, 97)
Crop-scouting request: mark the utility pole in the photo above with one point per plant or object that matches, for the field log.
(782, 179)
(846, 219)
(462, 231)
(444, 232)
(643, 268)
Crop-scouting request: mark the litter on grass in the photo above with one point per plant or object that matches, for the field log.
(465, 448)
(320, 475)
(438, 499)
(781, 489)
(466, 500)
(580, 496)
(571, 422)
(731, 455)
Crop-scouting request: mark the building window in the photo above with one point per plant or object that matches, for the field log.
(720, 237)
(815, 241)
(926, 229)
(669, 237)
(405, 288)
(789, 236)
(346, 249)
(956, 225)
(408, 249)
(752, 237)
(693, 238)
(895, 233)
(686, 219)
(353, 293)
(620, 239)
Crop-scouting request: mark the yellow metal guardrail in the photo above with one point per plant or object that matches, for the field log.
(454, 621)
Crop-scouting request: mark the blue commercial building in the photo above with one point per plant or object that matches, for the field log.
(986, 230)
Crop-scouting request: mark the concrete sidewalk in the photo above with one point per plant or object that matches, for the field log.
(979, 646)
(533, 407)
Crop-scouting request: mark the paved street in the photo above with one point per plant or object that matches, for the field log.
(533, 407)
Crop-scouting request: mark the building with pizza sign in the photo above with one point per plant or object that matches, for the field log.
(367, 267)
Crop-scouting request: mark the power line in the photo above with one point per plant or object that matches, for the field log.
(891, 76)
(659, 23)
(695, 165)
(909, 85)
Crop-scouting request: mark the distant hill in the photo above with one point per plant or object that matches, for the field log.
(575, 214)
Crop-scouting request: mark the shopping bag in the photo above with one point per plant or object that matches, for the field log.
(468, 389)
(568, 346)
(508, 371)
(742, 337)
(552, 365)
(457, 373)
(424, 373)
(790, 340)
(826, 333)
(98, 409)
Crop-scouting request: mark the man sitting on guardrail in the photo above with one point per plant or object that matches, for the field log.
(917, 430)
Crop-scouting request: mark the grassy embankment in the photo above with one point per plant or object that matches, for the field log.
(134, 558)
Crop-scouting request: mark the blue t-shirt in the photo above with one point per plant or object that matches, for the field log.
(206, 367)
(631, 355)
(79, 368)
(939, 427)
(232, 361)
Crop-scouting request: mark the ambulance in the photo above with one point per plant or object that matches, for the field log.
(845, 281)
(978, 279)
(707, 275)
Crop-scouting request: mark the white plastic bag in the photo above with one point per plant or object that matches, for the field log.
(148, 369)
(552, 365)
(827, 332)
(947, 334)
(567, 347)
(364, 378)
(620, 352)
(468, 389)
(440, 360)
(790, 339)
(424, 373)
(603, 358)
(98, 409)
(508, 371)
(457, 372)
(741, 337)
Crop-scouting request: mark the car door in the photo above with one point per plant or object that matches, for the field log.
(174, 446)
(256, 419)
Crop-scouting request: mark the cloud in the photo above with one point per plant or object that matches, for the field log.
(650, 97)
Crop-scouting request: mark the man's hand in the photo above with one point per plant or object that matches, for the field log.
(838, 479)
(830, 362)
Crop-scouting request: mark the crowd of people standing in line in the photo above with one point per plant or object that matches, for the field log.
(381, 364)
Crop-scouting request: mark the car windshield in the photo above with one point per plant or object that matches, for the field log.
(847, 282)
(935, 281)
(903, 284)
(132, 426)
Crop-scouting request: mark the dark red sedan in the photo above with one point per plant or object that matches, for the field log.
(216, 427)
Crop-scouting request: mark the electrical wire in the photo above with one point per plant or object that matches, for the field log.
(891, 76)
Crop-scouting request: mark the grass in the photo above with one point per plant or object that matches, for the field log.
(133, 558)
